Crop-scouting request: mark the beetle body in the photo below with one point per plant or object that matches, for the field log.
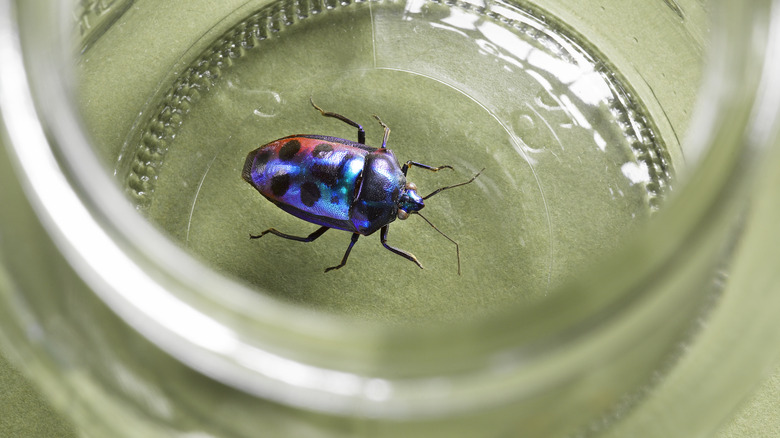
(338, 183)
(332, 182)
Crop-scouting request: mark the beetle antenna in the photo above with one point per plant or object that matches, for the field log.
(452, 187)
(457, 247)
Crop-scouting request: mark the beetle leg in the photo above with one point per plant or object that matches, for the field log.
(346, 254)
(407, 255)
(387, 131)
(409, 164)
(361, 132)
(311, 237)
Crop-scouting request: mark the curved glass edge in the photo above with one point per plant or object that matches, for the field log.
(93, 18)
(212, 345)
(738, 349)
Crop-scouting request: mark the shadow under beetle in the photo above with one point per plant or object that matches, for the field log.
(338, 183)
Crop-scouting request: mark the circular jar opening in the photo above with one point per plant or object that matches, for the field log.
(463, 85)
(590, 222)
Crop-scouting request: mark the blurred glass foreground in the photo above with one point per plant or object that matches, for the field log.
(130, 335)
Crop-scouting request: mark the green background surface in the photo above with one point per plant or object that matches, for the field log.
(24, 412)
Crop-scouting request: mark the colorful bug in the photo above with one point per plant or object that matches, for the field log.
(338, 183)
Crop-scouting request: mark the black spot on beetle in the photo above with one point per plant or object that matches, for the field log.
(289, 150)
(262, 157)
(342, 167)
(322, 150)
(310, 193)
(280, 183)
(334, 199)
(326, 173)
(257, 165)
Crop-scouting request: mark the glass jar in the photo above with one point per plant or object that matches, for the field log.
(130, 334)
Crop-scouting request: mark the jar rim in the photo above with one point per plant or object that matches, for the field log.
(265, 347)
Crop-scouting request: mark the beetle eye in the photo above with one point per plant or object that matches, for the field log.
(402, 214)
(411, 186)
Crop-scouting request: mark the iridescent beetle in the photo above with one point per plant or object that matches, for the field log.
(338, 183)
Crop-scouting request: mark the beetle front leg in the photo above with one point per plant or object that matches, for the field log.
(409, 164)
(407, 255)
(311, 237)
(346, 254)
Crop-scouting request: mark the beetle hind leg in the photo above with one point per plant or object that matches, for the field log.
(407, 255)
(310, 238)
(346, 254)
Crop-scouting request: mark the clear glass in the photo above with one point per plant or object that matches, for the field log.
(134, 328)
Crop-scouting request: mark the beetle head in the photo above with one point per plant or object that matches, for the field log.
(410, 201)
